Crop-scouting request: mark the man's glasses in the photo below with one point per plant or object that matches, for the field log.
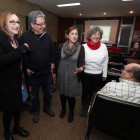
(14, 22)
(41, 24)
(126, 70)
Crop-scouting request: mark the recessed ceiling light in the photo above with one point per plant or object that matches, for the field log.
(127, 0)
(104, 13)
(70, 4)
(131, 12)
(80, 14)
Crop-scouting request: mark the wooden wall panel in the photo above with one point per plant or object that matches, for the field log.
(63, 24)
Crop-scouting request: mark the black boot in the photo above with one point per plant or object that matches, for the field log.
(20, 131)
(71, 116)
(83, 109)
(8, 136)
(63, 104)
(71, 101)
(62, 114)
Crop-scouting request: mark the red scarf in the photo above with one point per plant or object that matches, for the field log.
(134, 53)
(93, 46)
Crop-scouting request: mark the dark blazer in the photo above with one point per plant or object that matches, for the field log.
(80, 61)
(11, 75)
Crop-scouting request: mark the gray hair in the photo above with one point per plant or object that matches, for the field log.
(93, 30)
(136, 73)
(33, 15)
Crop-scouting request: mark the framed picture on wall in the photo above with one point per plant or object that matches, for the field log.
(136, 37)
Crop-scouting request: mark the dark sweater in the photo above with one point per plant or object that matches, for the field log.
(41, 54)
(80, 61)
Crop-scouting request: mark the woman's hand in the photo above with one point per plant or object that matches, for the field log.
(29, 72)
(104, 78)
(54, 77)
(79, 69)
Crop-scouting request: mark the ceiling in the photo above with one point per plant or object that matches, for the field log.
(90, 8)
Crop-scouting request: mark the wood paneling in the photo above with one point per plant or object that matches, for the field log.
(63, 24)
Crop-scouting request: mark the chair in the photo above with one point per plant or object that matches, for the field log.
(114, 71)
(125, 58)
(127, 54)
(116, 117)
(112, 76)
(115, 65)
(131, 60)
(116, 59)
(112, 53)
(116, 50)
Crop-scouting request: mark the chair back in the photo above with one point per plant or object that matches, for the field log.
(127, 54)
(116, 59)
(120, 118)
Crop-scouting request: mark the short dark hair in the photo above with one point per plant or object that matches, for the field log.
(136, 73)
(71, 28)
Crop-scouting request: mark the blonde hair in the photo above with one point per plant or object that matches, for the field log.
(93, 30)
(4, 20)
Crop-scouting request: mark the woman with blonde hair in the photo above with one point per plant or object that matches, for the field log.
(13, 73)
(96, 61)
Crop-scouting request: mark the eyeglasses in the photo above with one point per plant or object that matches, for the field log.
(14, 22)
(41, 24)
(126, 70)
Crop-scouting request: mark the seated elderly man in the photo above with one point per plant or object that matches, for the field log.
(129, 86)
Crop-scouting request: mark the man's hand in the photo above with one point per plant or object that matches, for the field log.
(29, 72)
(79, 69)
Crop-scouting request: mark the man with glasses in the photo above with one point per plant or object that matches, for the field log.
(129, 86)
(41, 60)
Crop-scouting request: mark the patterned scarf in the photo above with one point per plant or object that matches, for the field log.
(93, 46)
(69, 51)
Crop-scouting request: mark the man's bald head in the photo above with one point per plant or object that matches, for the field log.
(135, 69)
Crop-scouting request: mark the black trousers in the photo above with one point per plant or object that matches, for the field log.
(71, 102)
(7, 120)
(90, 84)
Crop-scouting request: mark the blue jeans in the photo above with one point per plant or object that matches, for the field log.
(46, 82)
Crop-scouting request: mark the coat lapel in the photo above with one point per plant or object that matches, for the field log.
(5, 43)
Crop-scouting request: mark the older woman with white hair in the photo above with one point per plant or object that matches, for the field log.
(96, 60)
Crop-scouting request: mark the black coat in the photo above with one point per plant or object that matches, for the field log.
(11, 75)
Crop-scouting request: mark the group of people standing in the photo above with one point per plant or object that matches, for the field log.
(31, 57)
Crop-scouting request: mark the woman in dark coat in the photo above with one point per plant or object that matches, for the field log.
(69, 64)
(136, 51)
(12, 73)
